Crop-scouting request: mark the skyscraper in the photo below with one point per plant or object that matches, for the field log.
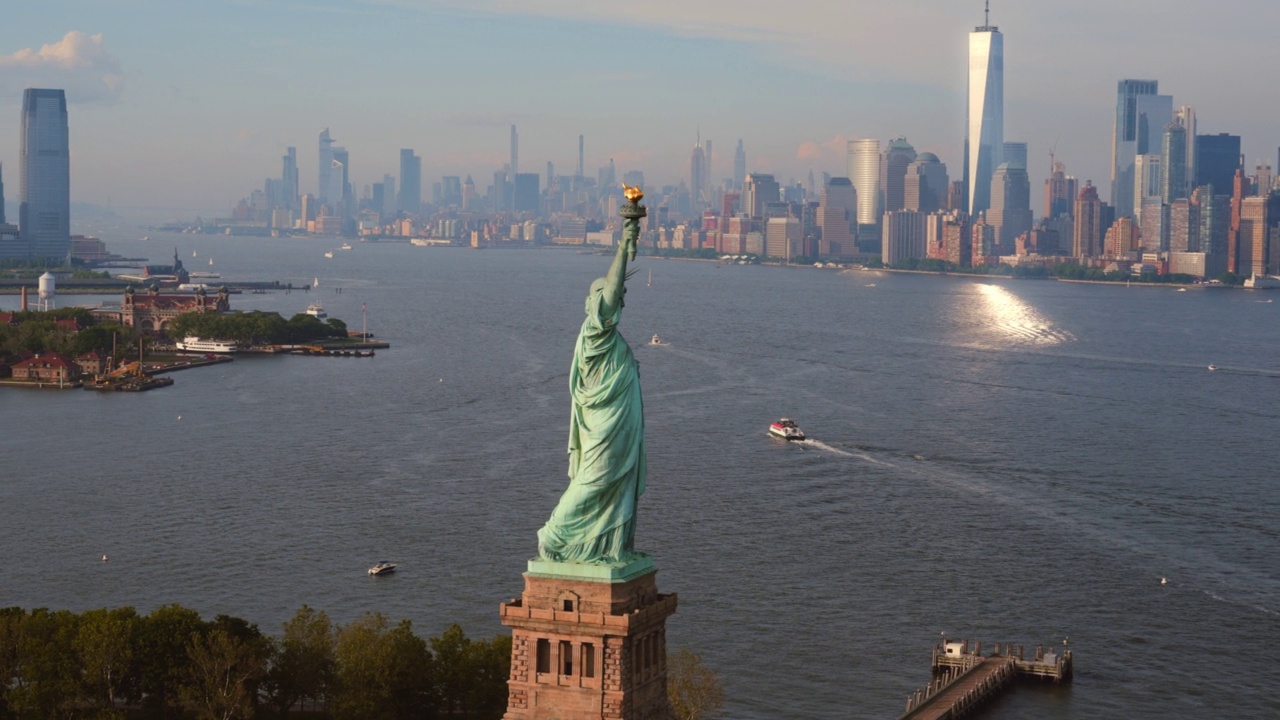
(1217, 159)
(697, 177)
(581, 154)
(326, 166)
(1015, 153)
(44, 210)
(1088, 223)
(1010, 211)
(410, 200)
(837, 214)
(925, 187)
(1059, 192)
(864, 172)
(2, 220)
(289, 178)
(1173, 158)
(1141, 115)
(739, 165)
(515, 152)
(1185, 117)
(893, 170)
(984, 140)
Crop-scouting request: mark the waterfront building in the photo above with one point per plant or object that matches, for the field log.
(837, 217)
(1010, 213)
(1239, 189)
(1184, 226)
(1087, 238)
(1141, 115)
(1215, 227)
(926, 184)
(759, 190)
(1217, 159)
(47, 367)
(44, 209)
(1147, 177)
(956, 245)
(904, 236)
(783, 238)
(410, 197)
(982, 240)
(984, 139)
(1254, 236)
(893, 172)
(1173, 159)
(1059, 192)
(1121, 238)
(864, 172)
(152, 312)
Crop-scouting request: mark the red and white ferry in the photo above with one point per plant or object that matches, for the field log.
(786, 429)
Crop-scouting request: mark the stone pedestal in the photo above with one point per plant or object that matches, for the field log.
(589, 643)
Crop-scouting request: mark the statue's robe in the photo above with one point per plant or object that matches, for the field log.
(595, 518)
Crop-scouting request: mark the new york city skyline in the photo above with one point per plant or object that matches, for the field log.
(225, 88)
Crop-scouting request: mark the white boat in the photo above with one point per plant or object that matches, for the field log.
(205, 275)
(210, 261)
(650, 278)
(194, 344)
(1212, 368)
(383, 568)
(345, 246)
(786, 429)
(329, 254)
(317, 311)
(193, 254)
(656, 340)
(315, 283)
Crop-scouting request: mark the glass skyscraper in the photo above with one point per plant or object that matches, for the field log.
(44, 210)
(984, 138)
(411, 181)
(1141, 116)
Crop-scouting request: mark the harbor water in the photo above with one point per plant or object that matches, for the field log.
(1007, 461)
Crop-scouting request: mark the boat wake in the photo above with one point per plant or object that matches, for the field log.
(819, 445)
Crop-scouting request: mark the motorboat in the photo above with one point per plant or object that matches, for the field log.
(383, 568)
(345, 246)
(656, 340)
(329, 254)
(194, 344)
(786, 429)
(317, 311)
(1212, 368)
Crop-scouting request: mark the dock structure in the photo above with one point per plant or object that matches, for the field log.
(964, 678)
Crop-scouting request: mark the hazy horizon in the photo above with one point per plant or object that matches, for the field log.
(192, 106)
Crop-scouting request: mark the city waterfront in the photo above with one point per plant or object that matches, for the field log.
(1002, 460)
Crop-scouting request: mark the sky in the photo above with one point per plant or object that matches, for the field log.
(189, 104)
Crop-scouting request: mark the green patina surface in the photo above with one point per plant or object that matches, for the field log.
(594, 522)
(614, 572)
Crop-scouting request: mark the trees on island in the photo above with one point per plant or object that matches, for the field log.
(256, 328)
(172, 664)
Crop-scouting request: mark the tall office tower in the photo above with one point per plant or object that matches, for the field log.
(904, 236)
(581, 153)
(1185, 118)
(1215, 224)
(390, 202)
(1121, 238)
(1262, 179)
(706, 168)
(1141, 114)
(1087, 240)
(468, 194)
(527, 194)
(515, 152)
(893, 172)
(551, 173)
(957, 248)
(1217, 159)
(1239, 190)
(1010, 212)
(309, 204)
(739, 165)
(340, 193)
(1147, 183)
(926, 184)
(410, 200)
(982, 241)
(697, 178)
(864, 173)
(289, 178)
(984, 139)
(1184, 226)
(837, 217)
(1173, 158)
(1252, 259)
(451, 190)
(1154, 230)
(326, 166)
(783, 238)
(1014, 153)
(758, 190)
(1059, 192)
(44, 209)
(2, 220)
(956, 196)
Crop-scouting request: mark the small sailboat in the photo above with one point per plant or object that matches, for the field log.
(650, 277)
(194, 254)
(210, 261)
(315, 283)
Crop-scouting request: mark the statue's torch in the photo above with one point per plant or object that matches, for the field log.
(631, 214)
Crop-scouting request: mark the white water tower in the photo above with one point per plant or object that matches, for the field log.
(48, 290)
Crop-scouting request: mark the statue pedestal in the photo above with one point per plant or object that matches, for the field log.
(589, 643)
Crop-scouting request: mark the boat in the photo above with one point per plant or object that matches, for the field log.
(786, 429)
(315, 283)
(345, 246)
(193, 254)
(146, 238)
(329, 254)
(382, 568)
(656, 340)
(1212, 368)
(210, 261)
(317, 311)
(191, 343)
(205, 275)
(650, 277)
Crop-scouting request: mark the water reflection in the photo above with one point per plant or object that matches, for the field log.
(1010, 321)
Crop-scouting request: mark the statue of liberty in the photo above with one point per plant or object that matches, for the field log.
(595, 520)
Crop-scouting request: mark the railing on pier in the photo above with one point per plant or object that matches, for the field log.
(964, 679)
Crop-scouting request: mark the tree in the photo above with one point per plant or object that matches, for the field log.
(382, 673)
(162, 649)
(303, 666)
(489, 667)
(105, 644)
(694, 689)
(221, 675)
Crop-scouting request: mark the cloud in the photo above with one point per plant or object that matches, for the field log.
(833, 150)
(78, 63)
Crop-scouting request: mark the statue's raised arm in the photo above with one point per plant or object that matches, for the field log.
(594, 521)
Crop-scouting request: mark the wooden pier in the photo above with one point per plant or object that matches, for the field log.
(965, 679)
